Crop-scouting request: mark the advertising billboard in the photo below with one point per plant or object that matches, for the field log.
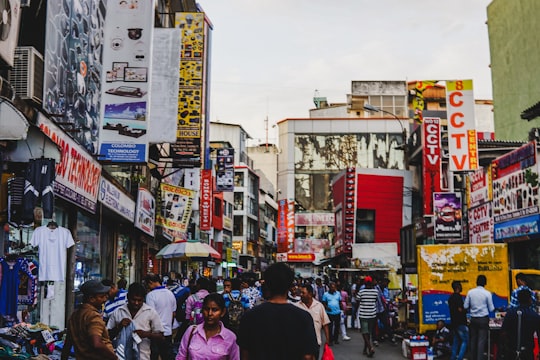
(431, 158)
(448, 216)
(175, 210)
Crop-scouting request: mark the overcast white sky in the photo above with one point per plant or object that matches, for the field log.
(269, 56)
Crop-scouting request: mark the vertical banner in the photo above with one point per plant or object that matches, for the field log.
(127, 65)
(418, 99)
(462, 142)
(448, 216)
(431, 159)
(190, 94)
(205, 209)
(290, 225)
(481, 224)
(145, 212)
(282, 246)
(349, 225)
(225, 170)
(175, 210)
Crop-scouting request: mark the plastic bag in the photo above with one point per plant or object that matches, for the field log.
(328, 354)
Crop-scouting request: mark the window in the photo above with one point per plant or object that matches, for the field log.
(238, 226)
(365, 226)
(239, 179)
(238, 201)
(252, 230)
(217, 207)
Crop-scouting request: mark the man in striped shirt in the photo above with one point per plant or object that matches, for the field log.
(117, 298)
(367, 312)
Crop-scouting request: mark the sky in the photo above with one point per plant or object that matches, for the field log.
(270, 57)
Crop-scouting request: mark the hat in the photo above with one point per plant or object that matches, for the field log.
(93, 287)
(368, 279)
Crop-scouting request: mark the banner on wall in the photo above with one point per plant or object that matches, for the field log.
(145, 212)
(448, 216)
(431, 159)
(116, 200)
(439, 265)
(225, 169)
(175, 210)
(205, 219)
(462, 142)
(125, 81)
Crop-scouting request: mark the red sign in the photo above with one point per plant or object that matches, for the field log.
(205, 223)
(431, 142)
(282, 246)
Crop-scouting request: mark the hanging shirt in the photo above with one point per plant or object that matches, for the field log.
(53, 245)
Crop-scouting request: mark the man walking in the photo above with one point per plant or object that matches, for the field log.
(86, 330)
(458, 322)
(146, 321)
(367, 298)
(317, 312)
(276, 329)
(164, 302)
(479, 303)
(521, 280)
(332, 302)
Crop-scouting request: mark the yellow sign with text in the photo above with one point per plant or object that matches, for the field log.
(440, 265)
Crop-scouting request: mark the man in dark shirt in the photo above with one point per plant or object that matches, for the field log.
(521, 340)
(276, 329)
(458, 322)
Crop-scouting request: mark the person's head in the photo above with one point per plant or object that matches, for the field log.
(524, 297)
(278, 278)
(333, 287)
(135, 296)
(203, 283)
(122, 284)
(384, 282)
(94, 293)
(440, 324)
(213, 308)
(521, 279)
(481, 280)
(368, 281)
(306, 294)
(318, 281)
(113, 289)
(236, 284)
(227, 286)
(456, 286)
(152, 281)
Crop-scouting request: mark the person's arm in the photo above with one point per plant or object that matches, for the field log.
(326, 329)
(244, 354)
(101, 349)
(115, 328)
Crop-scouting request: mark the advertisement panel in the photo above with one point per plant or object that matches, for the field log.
(462, 142)
(11, 20)
(515, 184)
(439, 265)
(448, 216)
(190, 93)
(77, 174)
(481, 224)
(205, 220)
(113, 198)
(314, 219)
(164, 85)
(146, 212)
(478, 185)
(225, 169)
(74, 45)
(517, 229)
(175, 210)
(431, 158)
(125, 80)
(282, 245)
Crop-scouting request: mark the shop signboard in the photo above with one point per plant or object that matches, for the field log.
(205, 212)
(175, 210)
(146, 212)
(77, 174)
(116, 200)
(481, 224)
(431, 158)
(478, 185)
(462, 142)
(282, 245)
(225, 169)
(314, 219)
(125, 82)
(448, 216)
(439, 265)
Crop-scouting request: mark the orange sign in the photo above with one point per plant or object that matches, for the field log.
(296, 257)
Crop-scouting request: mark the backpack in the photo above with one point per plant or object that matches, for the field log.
(235, 311)
(196, 311)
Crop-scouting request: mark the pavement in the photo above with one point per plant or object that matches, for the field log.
(352, 349)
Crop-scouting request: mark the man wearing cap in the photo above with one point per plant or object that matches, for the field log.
(86, 330)
(367, 299)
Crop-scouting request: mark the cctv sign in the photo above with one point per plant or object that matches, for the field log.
(462, 143)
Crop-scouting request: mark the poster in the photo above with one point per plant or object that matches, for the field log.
(175, 210)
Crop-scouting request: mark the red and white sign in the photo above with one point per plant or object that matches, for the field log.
(431, 142)
(314, 219)
(77, 174)
(481, 224)
(478, 188)
(205, 210)
(145, 214)
(462, 142)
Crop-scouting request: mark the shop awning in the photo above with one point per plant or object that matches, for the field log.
(35, 145)
(187, 249)
(13, 123)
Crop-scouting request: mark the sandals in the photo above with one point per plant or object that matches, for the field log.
(371, 352)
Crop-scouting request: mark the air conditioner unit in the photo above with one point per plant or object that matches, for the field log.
(26, 76)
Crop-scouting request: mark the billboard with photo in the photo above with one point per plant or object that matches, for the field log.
(448, 216)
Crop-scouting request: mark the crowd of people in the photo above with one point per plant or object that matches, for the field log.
(170, 318)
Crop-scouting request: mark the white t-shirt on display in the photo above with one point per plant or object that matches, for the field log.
(53, 244)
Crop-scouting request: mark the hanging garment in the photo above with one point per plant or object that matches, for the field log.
(53, 244)
(10, 287)
(40, 175)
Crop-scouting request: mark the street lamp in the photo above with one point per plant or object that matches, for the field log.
(403, 146)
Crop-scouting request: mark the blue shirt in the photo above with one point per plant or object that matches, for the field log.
(514, 303)
(332, 301)
(235, 295)
(119, 300)
(479, 302)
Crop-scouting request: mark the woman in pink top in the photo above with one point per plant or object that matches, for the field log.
(344, 302)
(209, 340)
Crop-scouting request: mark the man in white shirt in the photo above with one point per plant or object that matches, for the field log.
(163, 301)
(479, 303)
(316, 310)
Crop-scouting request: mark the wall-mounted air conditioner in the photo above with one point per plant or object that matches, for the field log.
(26, 77)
